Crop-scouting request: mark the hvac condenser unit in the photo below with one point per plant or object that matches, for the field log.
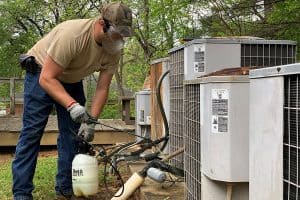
(216, 136)
(225, 137)
(143, 115)
(224, 133)
(203, 56)
(275, 133)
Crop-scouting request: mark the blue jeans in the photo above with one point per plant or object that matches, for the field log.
(37, 107)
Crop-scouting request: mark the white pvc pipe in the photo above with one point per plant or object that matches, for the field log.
(134, 182)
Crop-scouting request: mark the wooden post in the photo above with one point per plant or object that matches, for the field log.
(126, 110)
(12, 95)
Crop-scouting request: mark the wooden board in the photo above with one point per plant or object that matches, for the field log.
(156, 117)
(10, 128)
(49, 138)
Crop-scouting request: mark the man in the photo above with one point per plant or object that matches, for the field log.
(55, 67)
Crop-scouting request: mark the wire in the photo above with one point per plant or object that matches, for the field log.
(118, 174)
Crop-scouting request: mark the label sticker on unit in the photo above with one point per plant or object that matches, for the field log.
(219, 108)
(199, 59)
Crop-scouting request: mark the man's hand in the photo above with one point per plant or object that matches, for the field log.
(87, 131)
(78, 113)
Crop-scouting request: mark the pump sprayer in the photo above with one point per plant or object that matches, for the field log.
(85, 170)
(85, 175)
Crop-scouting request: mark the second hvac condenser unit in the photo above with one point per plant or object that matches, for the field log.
(143, 115)
(224, 146)
(225, 137)
(203, 56)
(275, 133)
(216, 127)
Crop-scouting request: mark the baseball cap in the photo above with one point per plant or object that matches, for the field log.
(120, 16)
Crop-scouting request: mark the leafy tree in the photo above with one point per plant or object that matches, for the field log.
(270, 19)
(285, 21)
(158, 26)
(23, 22)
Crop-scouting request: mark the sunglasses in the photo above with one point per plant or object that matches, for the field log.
(112, 30)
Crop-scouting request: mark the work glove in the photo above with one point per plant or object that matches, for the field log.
(78, 113)
(87, 131)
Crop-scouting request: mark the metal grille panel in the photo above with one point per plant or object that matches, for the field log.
(291, 138)
(192, 142)
(176, 105)
(267, 55)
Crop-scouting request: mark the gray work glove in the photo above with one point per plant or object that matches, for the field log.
(87, 131)
(78, 113)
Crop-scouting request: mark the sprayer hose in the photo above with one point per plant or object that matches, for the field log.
(161, 108)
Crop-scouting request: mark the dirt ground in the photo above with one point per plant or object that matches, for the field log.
(103, 194)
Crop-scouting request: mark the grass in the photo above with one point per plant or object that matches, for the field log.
(44, 179)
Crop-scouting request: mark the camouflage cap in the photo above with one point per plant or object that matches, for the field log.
(120, 15)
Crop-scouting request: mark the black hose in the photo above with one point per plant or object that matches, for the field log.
(162, 166)
(118, 174)
(161, 108)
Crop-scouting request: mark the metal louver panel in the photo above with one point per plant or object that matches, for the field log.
(192, 142)
(176, 105)
(267, 55)
(291, 138)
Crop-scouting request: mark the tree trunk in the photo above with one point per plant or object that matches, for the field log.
(119, 78)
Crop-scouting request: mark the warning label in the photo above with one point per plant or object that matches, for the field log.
(199, 59)
(219, 108)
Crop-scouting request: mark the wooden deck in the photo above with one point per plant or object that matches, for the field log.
(10, 129)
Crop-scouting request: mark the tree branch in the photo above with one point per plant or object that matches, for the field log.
(41, 32)
(22, 25)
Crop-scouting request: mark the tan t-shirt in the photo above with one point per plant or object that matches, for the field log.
(71, 45)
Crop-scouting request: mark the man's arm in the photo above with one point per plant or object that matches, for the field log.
(101, 93)
(50, 83)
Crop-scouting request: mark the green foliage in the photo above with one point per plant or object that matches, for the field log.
(4, 90)
(286, 18)
(44, 179)
(158, 26)
(111, 111)
(112, 108)
(5, 180)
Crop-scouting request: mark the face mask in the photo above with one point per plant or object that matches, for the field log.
(112, 47)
